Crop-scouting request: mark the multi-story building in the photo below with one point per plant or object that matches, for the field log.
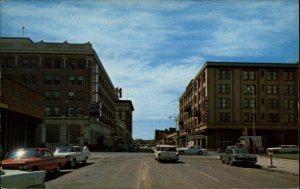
(227, 100)
(72, 78)
(124, 109)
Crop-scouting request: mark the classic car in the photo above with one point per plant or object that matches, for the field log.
(235, 154)
(192, 150)
(33, 159)
(284, 149)
(22, 179)
(166, 152)
(74, 154)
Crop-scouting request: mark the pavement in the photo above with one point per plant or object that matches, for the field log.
(280, 165)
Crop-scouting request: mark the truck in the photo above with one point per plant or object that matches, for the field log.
(247, 142)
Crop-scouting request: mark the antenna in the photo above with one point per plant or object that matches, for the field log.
(23, 28)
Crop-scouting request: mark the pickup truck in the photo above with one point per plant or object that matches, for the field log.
(33, 159)
(74, 154)
(284, 149)
(235, 154)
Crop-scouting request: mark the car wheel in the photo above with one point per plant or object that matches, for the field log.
(73, 163)
(57, 170)
(230, 162)
(181, 152)
(223, 161)
(200, 153)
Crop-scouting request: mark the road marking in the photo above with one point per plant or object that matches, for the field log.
(143, 181)
(211, 177)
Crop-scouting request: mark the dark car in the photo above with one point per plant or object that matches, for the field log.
(238, 155)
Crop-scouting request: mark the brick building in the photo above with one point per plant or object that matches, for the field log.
(71, 77)
(227, 100)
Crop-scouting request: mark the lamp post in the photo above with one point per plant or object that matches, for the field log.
(176, 126)
(251, 87)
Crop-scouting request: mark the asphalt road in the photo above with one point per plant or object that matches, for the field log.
(141, 171)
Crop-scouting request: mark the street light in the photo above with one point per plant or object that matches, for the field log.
(251, 87)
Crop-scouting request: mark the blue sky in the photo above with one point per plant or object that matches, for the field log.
(152, 49)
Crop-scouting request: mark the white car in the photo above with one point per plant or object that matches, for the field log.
(284, 149)
(22, 179)
(192, 150)
(166, 152)
(74, 154)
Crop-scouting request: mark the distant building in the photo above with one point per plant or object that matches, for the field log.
(124, 109)
(80, 97)
(165, 136)
(218, 104)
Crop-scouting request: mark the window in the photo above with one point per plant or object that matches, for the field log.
(56, 111)
(224, 103)
(48, 80)
(249, 89)
(273, 118)
(71, 80)
(71, 112)
(24, 63)
(289, 118)
(56, 80)
(71, 96)
(48, 95)
(80, 80)
(48, 63)
(81, 64)
(288, 103)
(249, 103)
(7, 62)
(224, 117)
(33, 63)
(289, 89)
(288, 76)
(272, 89)
(71, 64)
(80, 96)
(58, 63)
(272, 103)
(224, 88)
(249, 75)
(56, 96)
(248, 117)
(224, 74)
(48, 111)
(79, 112)
(272, 76)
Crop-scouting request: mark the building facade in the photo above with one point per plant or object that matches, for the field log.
(227, 100)
(72, 78)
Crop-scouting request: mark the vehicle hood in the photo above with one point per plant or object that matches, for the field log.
(65, 154)
(19, 161)
(245, 155)
(182, 148)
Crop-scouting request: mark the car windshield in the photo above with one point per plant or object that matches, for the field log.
(168, 149)
(22, 153)
(241, 151)
(64, 149)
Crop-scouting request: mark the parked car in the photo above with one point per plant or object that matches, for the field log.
(33, 159)
(235, 154)
(284, 149)
(166, 152)
(22, 179)
(192, 150)
(74, 154)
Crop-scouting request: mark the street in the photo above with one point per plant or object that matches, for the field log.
(141, 171)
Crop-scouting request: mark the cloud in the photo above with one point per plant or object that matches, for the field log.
(152, 49)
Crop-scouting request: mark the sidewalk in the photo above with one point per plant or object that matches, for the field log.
(281, 165)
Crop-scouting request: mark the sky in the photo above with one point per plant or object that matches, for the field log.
(152, 49)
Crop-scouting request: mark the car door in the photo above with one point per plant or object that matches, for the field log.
(79, 154)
